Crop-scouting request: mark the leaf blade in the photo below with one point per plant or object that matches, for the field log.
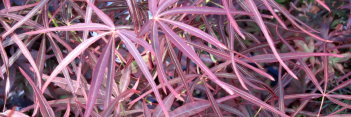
(197, 32)
(132, 49)
(176, 40)
(74, 27)
(45, 108)
(97, 78)
(71, 56)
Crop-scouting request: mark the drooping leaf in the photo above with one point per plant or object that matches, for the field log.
(292, 20)
(132, 36)
(4, 58)
(18, 8)
(212, 100)
(111, 87)
(40, 60)
(192, 108)
(63, 83)
(24, 50)
(16, 55)
(13, 113)
(153, 6)
(160, 69)
(268, 58)
(116, 101)
(232, 21)
(308, 71)
(231, 109)
(75, 27)
(323, 4)
(200, 10)
(197, 32)
(275, 15)
(71, 56)
(134, 52)
(44, 106)
(107, 20)
(98, 77)
(178, 69)
(168, 103)
(28, 16)
(251, 7)
(7, 4)
(256, 101)
(179, 42)
(164, 5)
(125, 78)
(87, 19)
(233, 58)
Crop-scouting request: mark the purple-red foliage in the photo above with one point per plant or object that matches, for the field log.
(175, 58)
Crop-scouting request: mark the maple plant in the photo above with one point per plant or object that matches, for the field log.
(175, 58)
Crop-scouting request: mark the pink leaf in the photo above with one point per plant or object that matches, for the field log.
(106, 19)
(143, 67)
(200, 10)
(27, 17)
(75, 27)
(44, 106)
(180, 43)
(251, 6)
(323, 4)
(268, 58)
(97, 78)
(232, 20)
(197, 32)
(71, 56)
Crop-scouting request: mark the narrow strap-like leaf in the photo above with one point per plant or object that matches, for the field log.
(40, 59)
(323, 4)
(201, 10)
(44, 106)
(74, 27)
(196, 32)
(18, 8)
(98, 77)
(71, 56)
(178, 67)
(87, 18)
(142, 65)
(232, 20)
(251, 7)
(213, 102)
(132, 36)
(233, 58)
(111, 71)
(106, 19)
(292, 20)
(192, 108)
(158, 56)
(164, 5)
(4, 58)
(27, 17)
(182, 46)
(168, 103)
(257, 101)
(268, 58)
(153, 6)
(116, 101)
(24, 50)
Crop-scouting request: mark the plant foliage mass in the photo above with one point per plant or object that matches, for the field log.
(175, 58)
